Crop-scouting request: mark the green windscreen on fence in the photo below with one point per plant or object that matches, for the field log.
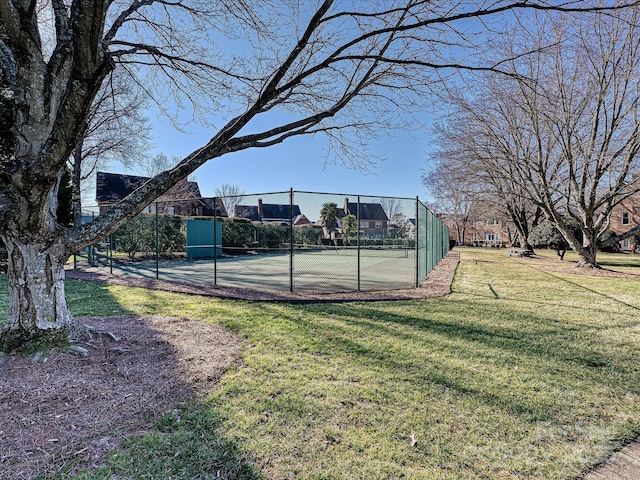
(432, 240)
(422, 236)
(201, 238)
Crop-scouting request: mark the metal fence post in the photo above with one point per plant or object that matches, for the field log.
(429, 242)
(215, 241)
(358, 241)
(157, 244)
(417, 245)
(291, 240)
(91, 248)
(77, 221)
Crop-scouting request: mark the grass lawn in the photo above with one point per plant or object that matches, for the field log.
(519, 373)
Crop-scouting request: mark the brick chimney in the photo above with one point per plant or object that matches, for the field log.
(260, 209)
(346, 206)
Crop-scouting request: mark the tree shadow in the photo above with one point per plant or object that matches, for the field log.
(554, 352)
(134, 407)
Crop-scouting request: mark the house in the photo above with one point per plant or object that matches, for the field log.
(374, 222)
(269, 212)
(411, 228)
(182, 199)
(624, 217)
(301, 219)
(488, 232)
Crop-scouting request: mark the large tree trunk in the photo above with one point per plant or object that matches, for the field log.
(38, 311)
(588, 250)
(587, 256)
(524, 244)
(519, 218)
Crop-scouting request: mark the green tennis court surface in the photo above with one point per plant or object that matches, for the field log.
(330, 269)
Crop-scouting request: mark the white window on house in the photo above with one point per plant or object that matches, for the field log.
(474, 237)
(171, 210)
(625, 244)
(364, 224)
(491, 221)
(626, 218)
(491, 237)
(378, 224)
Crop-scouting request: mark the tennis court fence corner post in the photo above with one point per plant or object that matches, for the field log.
(157, 244)
(215, 241)
(417, 243)
(291, 240)
(358, 240)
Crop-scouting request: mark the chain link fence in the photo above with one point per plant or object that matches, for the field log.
(303, 242)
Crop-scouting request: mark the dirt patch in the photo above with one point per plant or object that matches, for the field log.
(75, 408)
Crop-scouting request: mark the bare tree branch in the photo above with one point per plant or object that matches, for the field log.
(569, 140)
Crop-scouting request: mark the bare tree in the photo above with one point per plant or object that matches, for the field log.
(564, 133)
(157, 164)
(463, 175)
(231, 195)
(454, 190)
(341, 69)
(117, 131)
(391, 206)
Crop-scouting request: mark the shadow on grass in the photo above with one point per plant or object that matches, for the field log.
(544, 349)
(88, 299)
(623, 265)
(184, 445)
(587, 289)
(133, 400)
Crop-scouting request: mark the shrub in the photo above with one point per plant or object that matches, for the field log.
(139, 235)
(238, 234)
(635, 241)
(173, 235)
(546, 235)
(136, 236)
(272, 235)
(307, 234)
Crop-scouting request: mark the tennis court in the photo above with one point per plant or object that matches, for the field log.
(334, 269)
(305, 242)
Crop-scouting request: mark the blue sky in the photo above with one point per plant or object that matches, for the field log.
(299, 163)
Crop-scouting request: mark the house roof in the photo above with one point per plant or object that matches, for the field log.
(270, 212)
(246, 211)
(213, 204)
(368, 211)
(279, 212)
(301, 220)
(113, 187)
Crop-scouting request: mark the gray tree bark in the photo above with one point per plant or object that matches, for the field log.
(37, 303)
